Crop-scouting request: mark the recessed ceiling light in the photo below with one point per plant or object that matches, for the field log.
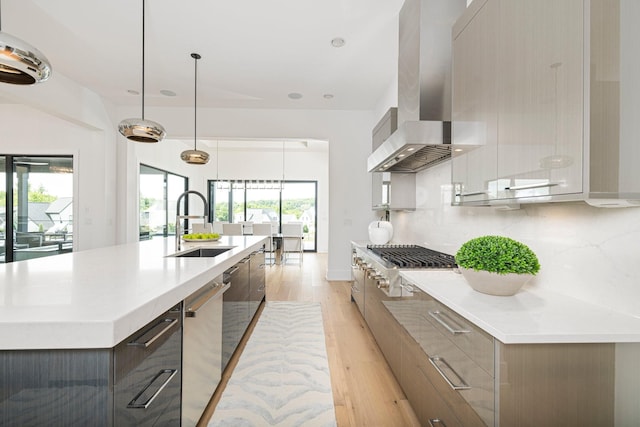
(295, 95)
(327, 96)
(167, 92)
(338, 42)
(133, 92)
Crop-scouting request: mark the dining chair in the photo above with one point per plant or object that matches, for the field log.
(292, 240)
(247, 227)
(232, 229)
(217, 226)
(269, 247)
(201, 228)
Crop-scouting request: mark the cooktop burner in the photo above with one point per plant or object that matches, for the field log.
(413, 256)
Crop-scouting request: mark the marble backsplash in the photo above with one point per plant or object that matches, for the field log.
(592, 254)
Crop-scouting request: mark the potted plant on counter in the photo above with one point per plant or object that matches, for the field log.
(497, 265)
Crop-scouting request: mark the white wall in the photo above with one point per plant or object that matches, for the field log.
(62, 118)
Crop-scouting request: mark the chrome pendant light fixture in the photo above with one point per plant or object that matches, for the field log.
(195, 156)
(21, 63)
(141, 130)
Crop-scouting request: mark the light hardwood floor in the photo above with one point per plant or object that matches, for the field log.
(365, 391)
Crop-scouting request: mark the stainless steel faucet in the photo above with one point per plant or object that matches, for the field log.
(179, 217)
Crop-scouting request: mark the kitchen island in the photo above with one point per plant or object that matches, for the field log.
(76, 328)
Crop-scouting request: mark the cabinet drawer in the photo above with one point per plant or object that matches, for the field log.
(430, 408)
(148, 373)
(450, 369)
(473, 341)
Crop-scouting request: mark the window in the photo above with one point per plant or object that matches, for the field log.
(36, 206)
(266, 201)
(159, 192)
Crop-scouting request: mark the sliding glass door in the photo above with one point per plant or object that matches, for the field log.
(264, 201)
(299, 201)
(36, 206)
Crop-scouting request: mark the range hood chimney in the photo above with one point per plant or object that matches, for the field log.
(423, 137)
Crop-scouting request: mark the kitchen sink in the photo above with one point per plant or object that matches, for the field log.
(203, 252)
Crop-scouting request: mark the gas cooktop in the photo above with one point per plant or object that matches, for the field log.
(413, 256)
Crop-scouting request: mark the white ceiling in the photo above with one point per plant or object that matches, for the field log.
(254, 52)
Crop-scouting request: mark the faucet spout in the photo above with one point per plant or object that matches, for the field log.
(179, 217)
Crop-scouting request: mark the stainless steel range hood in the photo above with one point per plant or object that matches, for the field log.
(423, 137)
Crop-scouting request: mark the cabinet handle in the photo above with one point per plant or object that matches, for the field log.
(438, 421)
(435, 361)
(475, 193)
(439, 316)
(144, 405)
(526, 187)
(354, 288)
(169, 324)
(192, 311)
(232, 270)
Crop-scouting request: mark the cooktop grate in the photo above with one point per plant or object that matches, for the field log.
(413, 256)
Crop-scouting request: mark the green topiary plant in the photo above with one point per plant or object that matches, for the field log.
(497, 254)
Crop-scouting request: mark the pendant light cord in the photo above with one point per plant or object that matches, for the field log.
(143, 13)
(195, 99)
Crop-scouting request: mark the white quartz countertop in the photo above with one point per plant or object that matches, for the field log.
(531, 316)
(96, 298)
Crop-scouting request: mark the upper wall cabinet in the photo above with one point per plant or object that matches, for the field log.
(475, 104)
(537, 108)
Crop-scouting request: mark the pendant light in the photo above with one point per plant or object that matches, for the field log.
(195, 156)
(141, 130)
(21, 63)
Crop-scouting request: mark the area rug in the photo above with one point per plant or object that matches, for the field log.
(282, 377)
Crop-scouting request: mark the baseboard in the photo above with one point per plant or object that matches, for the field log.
(338, 275)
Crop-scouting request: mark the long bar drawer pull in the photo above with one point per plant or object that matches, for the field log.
(440, 316)
(530, 186)
(437, 361)
(166, 324)
(436, 421)
(475, 193)
(192, 311)
(169, 373)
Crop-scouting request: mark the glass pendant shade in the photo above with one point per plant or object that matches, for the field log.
(195, 157)
(21, 63)
(140, 130)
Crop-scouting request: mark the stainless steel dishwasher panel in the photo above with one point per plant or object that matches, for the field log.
(202, 349)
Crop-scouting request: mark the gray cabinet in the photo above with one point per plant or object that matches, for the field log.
(256, 281)
(246, 291)
(380, 321)
(136, 383)
(518, 103)
(390, 190)
(545, 100)
(475, 104)
(148, 374)
(455, 372)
